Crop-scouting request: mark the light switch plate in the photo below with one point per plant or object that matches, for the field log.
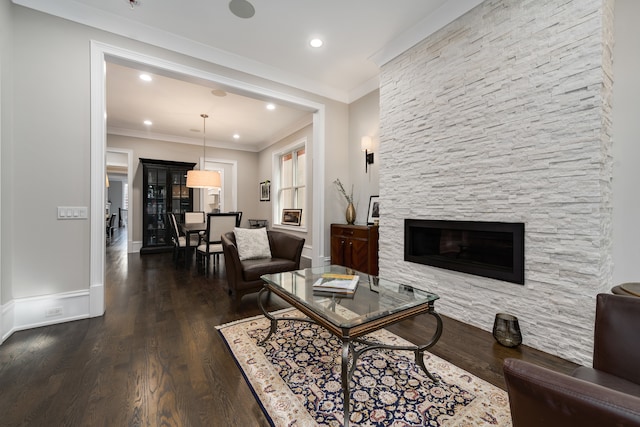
(72, 212)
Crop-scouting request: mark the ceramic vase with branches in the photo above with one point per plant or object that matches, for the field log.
(350, 214)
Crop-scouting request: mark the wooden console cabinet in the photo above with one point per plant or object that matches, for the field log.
(355, 246)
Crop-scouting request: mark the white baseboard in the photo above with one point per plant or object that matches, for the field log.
(26, 313)
(96, 300)
(7, 320)
(135, 246)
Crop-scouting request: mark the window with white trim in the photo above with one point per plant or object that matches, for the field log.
(291, 172)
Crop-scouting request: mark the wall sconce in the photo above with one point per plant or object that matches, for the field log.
(365, 145)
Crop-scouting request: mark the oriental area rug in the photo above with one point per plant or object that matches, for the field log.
(295, 375)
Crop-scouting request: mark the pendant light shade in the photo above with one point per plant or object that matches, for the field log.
(203, 178)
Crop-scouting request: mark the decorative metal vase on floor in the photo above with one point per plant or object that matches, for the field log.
(506, 330)
(350, 215)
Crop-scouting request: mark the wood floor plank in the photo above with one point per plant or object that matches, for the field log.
(155, 357)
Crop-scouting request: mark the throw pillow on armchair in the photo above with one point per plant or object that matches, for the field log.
(253, 243)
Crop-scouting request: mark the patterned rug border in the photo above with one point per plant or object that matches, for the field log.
(258, 317)
(296, 414)
(219, 328)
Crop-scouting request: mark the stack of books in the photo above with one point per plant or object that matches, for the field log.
(340, 284)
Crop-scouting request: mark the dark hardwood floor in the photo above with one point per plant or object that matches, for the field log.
(155, 357)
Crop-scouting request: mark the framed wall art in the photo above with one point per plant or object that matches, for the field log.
(291, 216)
(374, 210)
(265, 191)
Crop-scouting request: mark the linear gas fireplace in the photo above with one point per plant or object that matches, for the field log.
(488, 249)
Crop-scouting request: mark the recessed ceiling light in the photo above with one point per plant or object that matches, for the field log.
(219, 92)
(145, 77)
(271, 107)
(236, 136)
(148, 122)
(316, 42)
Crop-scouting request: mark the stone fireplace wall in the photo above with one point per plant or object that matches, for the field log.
(505, 115)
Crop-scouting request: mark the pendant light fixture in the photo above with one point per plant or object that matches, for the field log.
(203, 178)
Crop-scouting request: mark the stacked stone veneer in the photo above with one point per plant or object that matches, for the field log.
(504, 115)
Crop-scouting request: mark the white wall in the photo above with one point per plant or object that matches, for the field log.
(337, 165)
(504, 115)
(626, 143)
(51, 136)
(364, 120)
(6, 39)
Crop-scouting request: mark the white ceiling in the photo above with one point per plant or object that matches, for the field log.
(174, 107)
(359, 36)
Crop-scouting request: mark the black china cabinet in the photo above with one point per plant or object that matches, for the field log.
(164, 190)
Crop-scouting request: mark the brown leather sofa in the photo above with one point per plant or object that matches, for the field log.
(243, 277)
(606, 394)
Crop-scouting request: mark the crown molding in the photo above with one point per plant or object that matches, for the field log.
(444, 15)
(288, 131)
(181, 140)
(86, 15)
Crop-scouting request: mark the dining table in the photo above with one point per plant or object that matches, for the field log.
(188, 229)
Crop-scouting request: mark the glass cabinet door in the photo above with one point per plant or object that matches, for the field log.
(164, 190)
(155, 209)
(181, 196)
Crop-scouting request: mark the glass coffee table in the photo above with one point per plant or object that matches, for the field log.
(375, 304)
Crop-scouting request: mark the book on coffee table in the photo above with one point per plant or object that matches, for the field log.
(338, 283)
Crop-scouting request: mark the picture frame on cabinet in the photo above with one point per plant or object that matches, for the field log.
(373, 217)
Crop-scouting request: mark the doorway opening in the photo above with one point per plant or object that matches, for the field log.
(119, 170)
(100, 55)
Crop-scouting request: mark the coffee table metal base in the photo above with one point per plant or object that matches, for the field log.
(349, 352)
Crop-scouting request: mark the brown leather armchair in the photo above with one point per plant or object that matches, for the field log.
(243, 277)
(607, 394)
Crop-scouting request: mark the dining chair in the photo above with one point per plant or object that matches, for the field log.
(217, 225)
(179, 242)
(111, 225)
(239, 219)
(194, 217)
(175, 237)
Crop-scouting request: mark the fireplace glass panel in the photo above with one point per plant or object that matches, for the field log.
(486, 249)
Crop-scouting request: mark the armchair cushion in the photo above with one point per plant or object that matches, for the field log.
(607, 380)
(541, 397)
(243, 276)
(252, 243)
(607, 394)
(254, 268)
(616, 346)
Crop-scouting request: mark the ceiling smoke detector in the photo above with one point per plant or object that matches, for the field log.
(242, 8)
